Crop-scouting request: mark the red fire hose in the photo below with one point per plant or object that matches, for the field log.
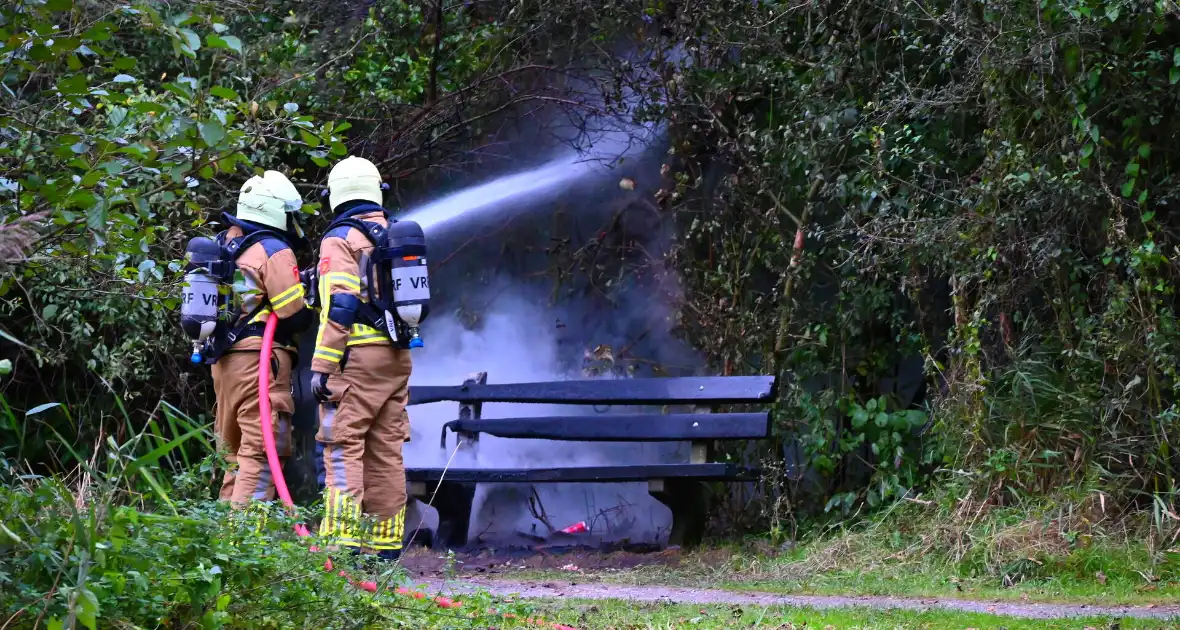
(276, 471)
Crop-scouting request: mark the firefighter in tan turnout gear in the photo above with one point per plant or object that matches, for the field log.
(256, 256)
(361, 367)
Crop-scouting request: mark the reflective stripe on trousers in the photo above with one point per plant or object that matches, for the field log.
(344, 525)
(253, 517)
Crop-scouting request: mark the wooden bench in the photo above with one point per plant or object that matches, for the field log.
(679, 486)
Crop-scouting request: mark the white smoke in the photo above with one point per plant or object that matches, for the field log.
(517, 342)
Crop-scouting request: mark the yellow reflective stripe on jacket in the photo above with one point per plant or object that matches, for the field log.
(327, 357)
(287, 297)
(368, 341)
(346, 280)
(363, 334)
(321, 351)
(328, 354)
(319, 337)
(261, 316)
(362, 330)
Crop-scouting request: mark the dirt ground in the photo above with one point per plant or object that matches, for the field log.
(553, 591)
(424, 563)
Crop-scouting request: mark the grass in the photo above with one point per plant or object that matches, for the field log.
(1050, 552)
(587, 615)
(127, 537)
(747, 571)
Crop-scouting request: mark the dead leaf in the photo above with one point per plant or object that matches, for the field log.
(1101, 578)
(627, 183)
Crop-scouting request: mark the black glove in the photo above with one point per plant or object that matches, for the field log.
(319, 386)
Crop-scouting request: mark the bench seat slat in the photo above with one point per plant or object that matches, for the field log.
(626, 427)
(590, 474)
(627, 391)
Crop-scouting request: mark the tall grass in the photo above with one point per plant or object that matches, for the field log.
(129, 537)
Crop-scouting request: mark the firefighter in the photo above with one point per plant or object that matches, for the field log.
(265, 278)
(359, 375)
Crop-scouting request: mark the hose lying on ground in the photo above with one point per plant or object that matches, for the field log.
(276, 473)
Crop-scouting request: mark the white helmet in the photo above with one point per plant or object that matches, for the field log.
(268, 200)
(353, 178)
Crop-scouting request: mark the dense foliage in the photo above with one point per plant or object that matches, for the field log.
(978, 188)
(985, 186)
(127, 128)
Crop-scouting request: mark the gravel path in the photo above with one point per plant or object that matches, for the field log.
(551, 590)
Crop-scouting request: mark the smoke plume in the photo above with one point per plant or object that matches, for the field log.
(497, 310)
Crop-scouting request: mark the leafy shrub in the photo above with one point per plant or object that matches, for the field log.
(121, 544)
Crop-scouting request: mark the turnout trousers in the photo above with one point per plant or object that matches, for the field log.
(238, 424)
(363, 426)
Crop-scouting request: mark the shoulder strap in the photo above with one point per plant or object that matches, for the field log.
(235, 248)
(372, 231)
(375, 232)
(224, 268)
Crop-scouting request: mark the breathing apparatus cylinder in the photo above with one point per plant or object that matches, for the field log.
(200, 297)
(409, 288)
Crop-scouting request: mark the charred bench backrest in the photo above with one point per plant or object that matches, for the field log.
(700, 394)
(694, 390)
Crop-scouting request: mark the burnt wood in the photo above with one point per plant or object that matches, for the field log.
(591, 474)
(629, 391)
(686, 499)
(453, 500)
(623, 427)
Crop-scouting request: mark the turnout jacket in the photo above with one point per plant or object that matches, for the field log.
(270, 280)
(344, 269)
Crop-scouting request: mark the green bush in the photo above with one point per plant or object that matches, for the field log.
(984, 187)
(126, 542)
